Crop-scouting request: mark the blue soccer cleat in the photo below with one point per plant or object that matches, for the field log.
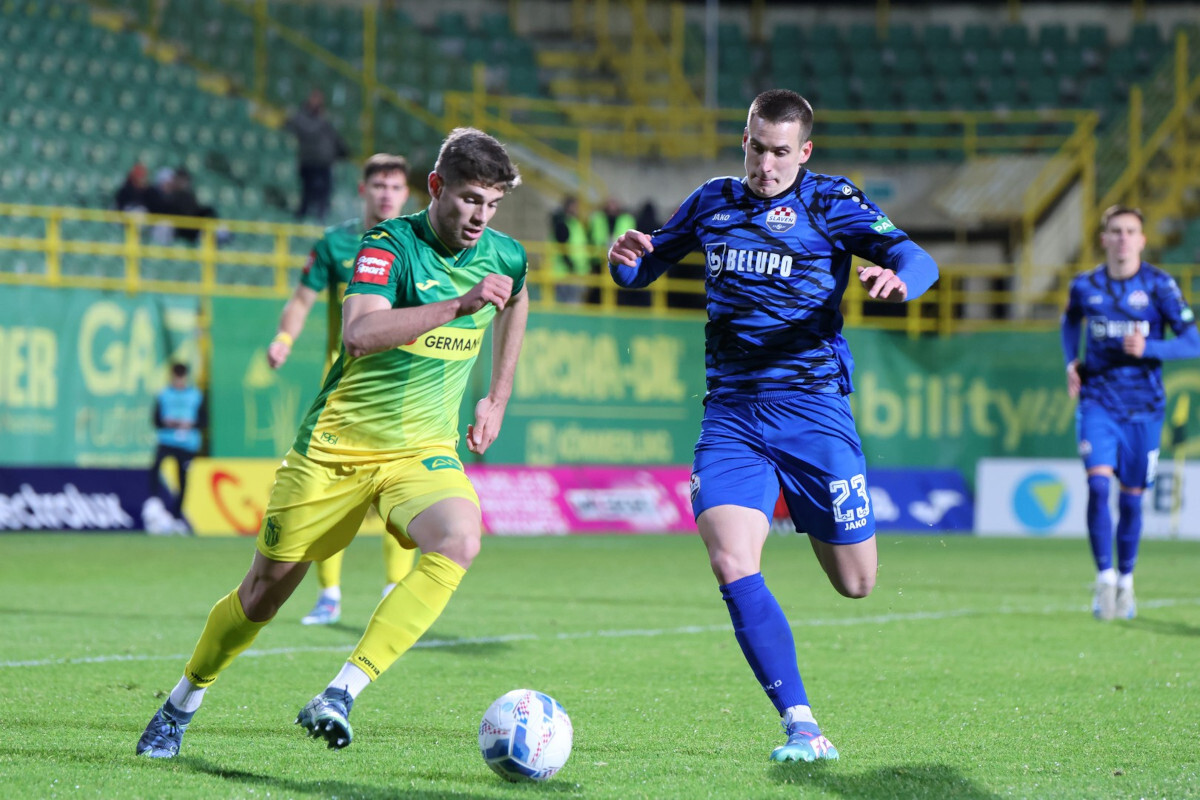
(164, 735)
(325, 612)
(805, 743)
(327, 717)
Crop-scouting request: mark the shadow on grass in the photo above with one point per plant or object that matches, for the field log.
(933, 781)
(1163, 626)
(489, 786)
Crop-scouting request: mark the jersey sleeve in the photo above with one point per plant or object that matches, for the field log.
(1174, 308)
(378, 265)
(319, 267)
(857, 225)
(518, 266)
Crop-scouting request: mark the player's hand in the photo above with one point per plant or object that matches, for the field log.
(494, 289)
(277, 353)
(1134, 345)
(629, 247)
(1073, 380)
(882, 284)
(489, 414)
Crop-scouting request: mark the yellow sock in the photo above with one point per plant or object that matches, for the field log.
(329, 571)
(406, 613)
(397, 562)
(226, 634)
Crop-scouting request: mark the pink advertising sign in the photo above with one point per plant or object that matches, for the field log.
(525, 501)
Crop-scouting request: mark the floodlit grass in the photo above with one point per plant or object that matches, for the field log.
(973, 671)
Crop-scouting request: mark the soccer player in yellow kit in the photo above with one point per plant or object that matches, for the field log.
(382, 433)
(384, 190)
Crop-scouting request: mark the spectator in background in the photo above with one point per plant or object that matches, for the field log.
(647, 218)
(604, 226)
(572, 256)
(180, 200)
(320, 146)
(180, 414)
(136, 193)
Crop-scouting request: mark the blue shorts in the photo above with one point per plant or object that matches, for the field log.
(1130, 448)
(807, 444)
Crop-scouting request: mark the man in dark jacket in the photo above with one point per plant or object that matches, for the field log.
(320, 146)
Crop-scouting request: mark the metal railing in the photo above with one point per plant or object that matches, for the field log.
(63, 247)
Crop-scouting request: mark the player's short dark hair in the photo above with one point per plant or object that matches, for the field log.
(384, 164)
(1118, 210)
(469, 155)
(179, 369)
(783, 105)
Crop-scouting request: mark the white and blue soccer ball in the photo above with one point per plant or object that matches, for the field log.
(525, 735)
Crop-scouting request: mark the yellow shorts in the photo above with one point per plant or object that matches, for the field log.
(316, 507)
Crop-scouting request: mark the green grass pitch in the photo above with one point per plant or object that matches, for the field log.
(973, 671)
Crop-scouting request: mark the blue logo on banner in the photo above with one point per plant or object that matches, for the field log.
(1040, 501)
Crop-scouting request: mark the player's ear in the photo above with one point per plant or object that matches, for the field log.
(435, 184)
(745, 138)
(362, 189)
(806, 151)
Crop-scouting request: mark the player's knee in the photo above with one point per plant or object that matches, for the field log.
(729, 566)
(855, 587)
(460, 544)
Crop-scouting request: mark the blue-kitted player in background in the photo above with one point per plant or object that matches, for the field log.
(1128, 305)
(778, 245)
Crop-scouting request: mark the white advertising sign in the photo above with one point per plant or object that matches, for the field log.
(1048, 497)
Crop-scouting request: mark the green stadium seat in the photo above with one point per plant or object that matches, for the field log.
(959, 92)
(1042, 91)
(1092, 37)
(977, 36)
(1014, 36)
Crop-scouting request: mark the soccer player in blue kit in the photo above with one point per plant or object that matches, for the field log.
(1128, 305)
(778, 245)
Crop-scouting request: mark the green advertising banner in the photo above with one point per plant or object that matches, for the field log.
(947, 402)
(255, 409)
(615, 389)
(79, 370)
(589, 389)
(627, 389)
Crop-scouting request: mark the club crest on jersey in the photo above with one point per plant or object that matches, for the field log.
(1139, 300)
(781, 219)
(373, 265)
(714, 257)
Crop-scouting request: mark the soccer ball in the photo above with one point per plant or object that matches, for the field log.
(525, 735)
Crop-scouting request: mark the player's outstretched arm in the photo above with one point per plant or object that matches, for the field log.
(1185, 345)
(630, 261)
(371, 325)
(506, 348)
(291, 322)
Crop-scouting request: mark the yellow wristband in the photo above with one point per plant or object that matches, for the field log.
(284, 337)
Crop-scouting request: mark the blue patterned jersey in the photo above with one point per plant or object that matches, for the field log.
(1149, 302)
(776, 271)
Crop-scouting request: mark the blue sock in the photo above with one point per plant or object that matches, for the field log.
(1099, 521)
(766, 640)
(1129, 531)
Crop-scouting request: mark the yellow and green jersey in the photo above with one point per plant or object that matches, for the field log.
(330, 267)
(390, 404)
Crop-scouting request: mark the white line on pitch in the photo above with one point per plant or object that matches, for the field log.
(879, 619)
